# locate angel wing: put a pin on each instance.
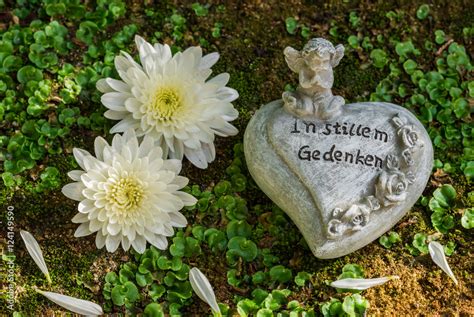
(336, 58)
(294, 59)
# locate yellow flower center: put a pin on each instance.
(166, 103)
(126, 194)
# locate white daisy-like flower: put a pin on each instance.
(168, 98)
(128, 193)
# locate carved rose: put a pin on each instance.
(353, 219)
(391, 187)
(336, 228)
(409, 135)
(357, 216)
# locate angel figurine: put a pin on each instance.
(314, 64)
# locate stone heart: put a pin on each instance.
(346, 180)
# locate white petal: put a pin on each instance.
(114, 228)
(73, 191)
(209, 60)
(112, 242)
(114, 100)
(99, 145)
(80, 218)
(196, 157)
(103, 86)
(82, 230)
(203, 289)
(209, 151)
(164, 52)
(139, 244)
(75, 305)
(178, 220)
(146, 146)
(124, 125)
(79, 155)
(118, 85)
(224, 129)
(144, 47)
(438, 257)
(125, 243)
(35, 252)
(172, 165)
(75, 175)
(220, 80)
(180, 181)
(227, 94)
(99, 240)
(115, 115)
(158, 241)
(362, 283)
(186, 198)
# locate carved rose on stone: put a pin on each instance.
(409, 136)
(407, 132)
(353, 219)
(391, 187)
(336, 228)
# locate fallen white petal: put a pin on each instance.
(361, 284)
(35, 252)
(203, 288)
(75, 305)
(438, 257)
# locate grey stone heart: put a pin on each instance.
(345, 181)
(344, 174)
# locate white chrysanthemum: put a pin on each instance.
(128, 193)
(168, 98)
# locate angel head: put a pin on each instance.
(315, 62)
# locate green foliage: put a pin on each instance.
(350, 271)
(423, 11)
(302, 277)
(440, 37)
(43, 97)
(238, 228)
(420, 244)
(442, 201)
(240, 247)
(184, 246)
(199, 9)
(449, 248)
(153, 310)
(291, 25)
(467, 219)
(379, 58)
(271, 304)
(216, 30)
(353, 41)
(354, 19)
(280, 274)
(151, 275)
(388, 240)
(354, 305)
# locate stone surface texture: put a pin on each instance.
(345, 174)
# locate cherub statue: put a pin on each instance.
(314, 64)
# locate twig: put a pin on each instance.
(442, 48)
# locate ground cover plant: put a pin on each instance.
(52, 53)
